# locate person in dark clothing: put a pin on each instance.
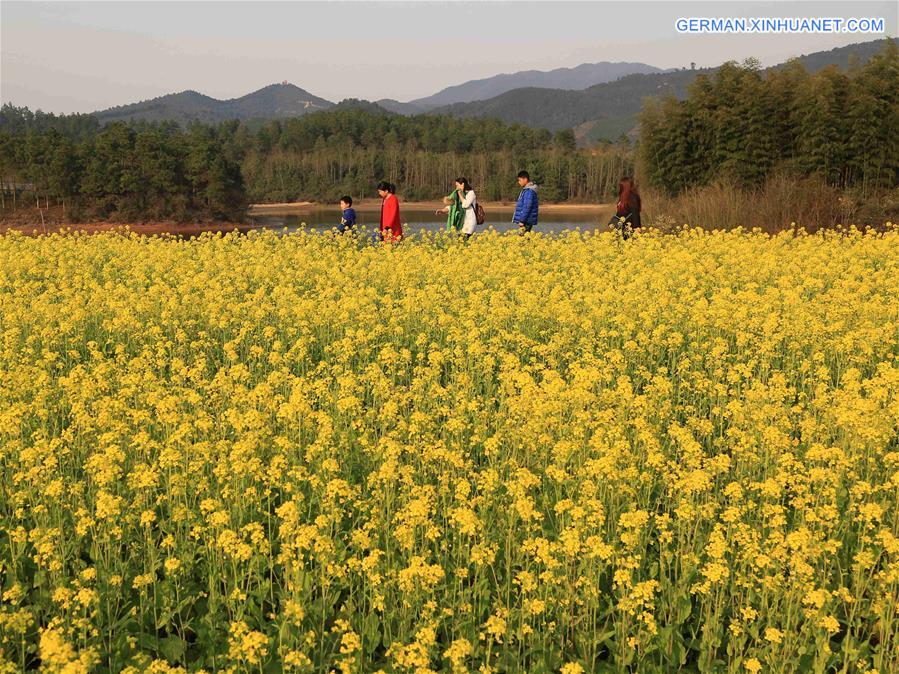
(348, 215)
(627, 210)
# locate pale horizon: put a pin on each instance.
(66, 57)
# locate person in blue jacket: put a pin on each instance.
(526, 208)
(348, 215)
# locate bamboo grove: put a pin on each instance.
(742, 124)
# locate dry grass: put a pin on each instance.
(783, 202)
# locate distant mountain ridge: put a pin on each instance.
(287, 100)
(557, 109)
(399, 107)
(610, 109)
(604, 110)
(579, 77)
(271, 102)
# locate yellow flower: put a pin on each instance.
(246, 645)
(496, 627)
(752, 665)
(830, 623)
(774, 635)
(457, 652)
(349, 449)
(60, 657)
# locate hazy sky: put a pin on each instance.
(85, 56)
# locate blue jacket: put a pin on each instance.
(526, 208)
(348, 221)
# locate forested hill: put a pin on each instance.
(275, 101)
(602, 111)
(579, 77)
(559, 109)
(610, 109)
(287, 100)
(842, 57)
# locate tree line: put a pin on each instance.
(147, 171)
(740, 125)
(128, 172)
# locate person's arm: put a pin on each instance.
(468, 199)
(530, 207)
(519, 211)
(392, 213)
(389, 213)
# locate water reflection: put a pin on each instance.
(415, 220)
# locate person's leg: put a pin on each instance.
(467, 230)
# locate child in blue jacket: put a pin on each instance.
(526, 208)
(348, 217)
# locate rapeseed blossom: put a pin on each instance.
(558, 454)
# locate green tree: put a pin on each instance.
(872, 119)
(822, 125)
(564, 140)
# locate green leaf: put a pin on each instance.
(172, 648)
(273, 666)
(604, 638)
(371, 632)
(684, 609)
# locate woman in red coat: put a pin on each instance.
(391, 228)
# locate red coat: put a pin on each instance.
(390, 218)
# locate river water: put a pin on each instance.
(415, 220)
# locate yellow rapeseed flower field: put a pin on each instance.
(525, 454)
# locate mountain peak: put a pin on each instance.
(285, 86)
(575, 78)
(606, 95)
(277, 100)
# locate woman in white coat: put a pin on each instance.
(467, 200)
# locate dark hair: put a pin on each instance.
(348, 200)
(626, 190)
(465, 186)
(524, 174)
(387, 187)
